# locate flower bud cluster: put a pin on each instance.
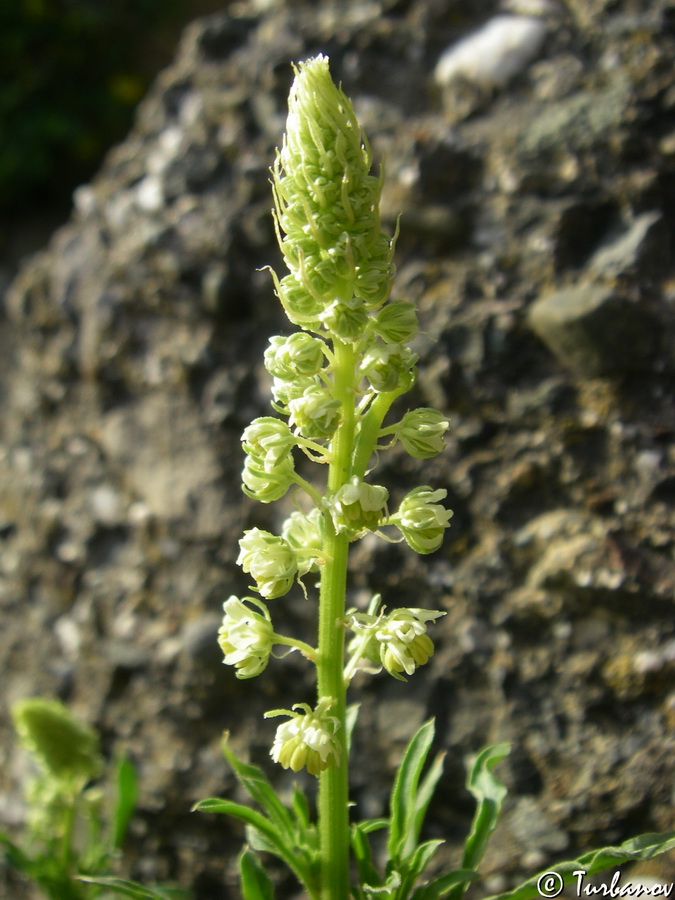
(308, 739)
(340, 261)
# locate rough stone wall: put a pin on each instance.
(536, 237)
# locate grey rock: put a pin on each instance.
(594, 331)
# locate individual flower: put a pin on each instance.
(269, 440)
(388, 366)
(267, 484)
(358, 507)
(403, 640)
(299, 354)
(421, 520)
(316, 413)
(304, 535)
(246, 636)
(308, 738)
(345, 319)
(422, 431)
(270, 560)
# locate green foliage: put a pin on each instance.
(73, 834)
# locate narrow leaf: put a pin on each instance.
(643, 847)
(127, 795)
(426, 793)
(402, 833)
(132, 888)
(258, 786)
(275, 842)
(255, 884)
(442, 885)
(416, 864)
(490, 794)
(368, 874)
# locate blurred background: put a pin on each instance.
(71, 74)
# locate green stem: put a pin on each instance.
(333, 782)
(370, 429)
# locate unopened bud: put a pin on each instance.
(299, 354)
(396, 323)
(388, 366)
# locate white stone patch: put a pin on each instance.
(494, 54)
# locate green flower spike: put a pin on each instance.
(327, 207)
(65, 747)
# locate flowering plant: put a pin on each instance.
(334, 383)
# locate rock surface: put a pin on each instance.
(131, 362)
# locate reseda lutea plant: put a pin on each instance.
(334, 381)
(333, 384)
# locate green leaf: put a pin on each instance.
(255, 885)
(490, 794)
(351, 715)
(426, 793)
(260, 789)
(15, 857)
(368, 874)
(127, 795)
(416, 864)
(645, 846)
(274, 838)
(442, 885)
(404, 825)
(133, 889)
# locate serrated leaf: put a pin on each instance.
(643, 847)
(403, 823)
(255, 884)
(442, 885)
(127, 795)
